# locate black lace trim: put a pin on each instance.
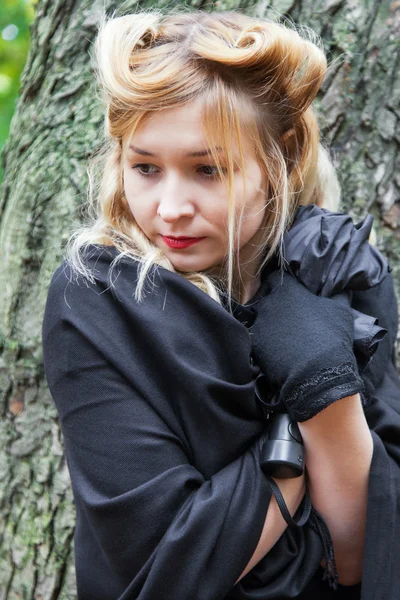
(316, 393)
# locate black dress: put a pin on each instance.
(163, 433)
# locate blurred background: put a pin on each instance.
(15, 19)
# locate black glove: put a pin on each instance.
(303, 343)
(328, 254)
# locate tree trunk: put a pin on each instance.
(54, 131)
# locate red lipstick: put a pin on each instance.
(180, 242)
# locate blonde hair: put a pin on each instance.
(252, 75)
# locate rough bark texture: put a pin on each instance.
(57, 124)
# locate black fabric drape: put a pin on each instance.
(163, 433)
(162, 437)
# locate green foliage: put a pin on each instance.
(15, 19)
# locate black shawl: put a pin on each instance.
(162, 434)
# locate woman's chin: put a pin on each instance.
(188, 264)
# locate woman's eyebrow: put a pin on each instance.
(197, 153)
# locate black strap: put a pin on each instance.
(316, 522)
(284, 509)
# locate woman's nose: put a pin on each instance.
(171, 209)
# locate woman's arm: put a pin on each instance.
(339, 447)
(293, 491)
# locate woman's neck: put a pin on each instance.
(248, 289)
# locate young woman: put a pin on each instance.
(170, 305)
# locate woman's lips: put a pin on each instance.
(180, 243)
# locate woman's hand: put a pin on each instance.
(303, 343)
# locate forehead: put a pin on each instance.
(179, 130)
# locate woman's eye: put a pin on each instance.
(215, 171)
(213, 175)
(139, 170)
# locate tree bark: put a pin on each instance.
(53, 133)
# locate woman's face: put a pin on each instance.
(171, 193)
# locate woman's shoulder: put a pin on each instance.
(108, 273)
(91, 270)
(170, 303)
(175, 321)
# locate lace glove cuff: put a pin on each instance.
(316, 393)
